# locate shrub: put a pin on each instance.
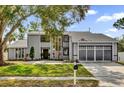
(32, 53)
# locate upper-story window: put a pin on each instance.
(44, 39)
(65, 38)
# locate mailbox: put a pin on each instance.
(75, 67)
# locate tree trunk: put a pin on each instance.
(1, 56)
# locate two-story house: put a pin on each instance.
(84, 46)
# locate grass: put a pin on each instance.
(42, 70)
(47, 83)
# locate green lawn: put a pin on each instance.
(43, 70)
(48, 83)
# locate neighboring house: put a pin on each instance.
(85, 46)
(121, 56)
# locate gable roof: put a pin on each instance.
(18, 44)
(89, 36)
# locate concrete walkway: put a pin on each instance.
(46, 78)
(109, 74)
(41, 62)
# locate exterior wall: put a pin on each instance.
(11, 54)
(34, 40)
(121, 56)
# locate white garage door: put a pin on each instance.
(95, 53)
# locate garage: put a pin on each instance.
(95, 52)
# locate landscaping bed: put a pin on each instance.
(48, 83)
(43, 70)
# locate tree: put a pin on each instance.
(21, 33)
(34, 26)
(13, 37)
(119, 24)
(121, 44)
(54, 20)
(32, 53)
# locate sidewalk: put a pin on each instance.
(42, 62)
(46, 78)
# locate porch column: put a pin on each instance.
(103, 52)
(78, 50)
(94, 53)
(70, 48)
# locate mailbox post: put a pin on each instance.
(75, 70)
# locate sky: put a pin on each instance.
(100, 19)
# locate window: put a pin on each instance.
(90, 47)
(82, 55)
(44, 39)
(16, 53)
(19, 53)
(82, 47)
(90, 55)
(107, 55)
(65, 51)
(99, 55)
(22, 52)
(65, 38)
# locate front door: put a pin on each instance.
(45, 54)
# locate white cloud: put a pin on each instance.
(118, 15)
(112, 30)
(114, 16)
(91, 12)
(108, 35)
(104, 18)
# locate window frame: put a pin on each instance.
(65, 40)
(43, 38)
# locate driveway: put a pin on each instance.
(109, 74)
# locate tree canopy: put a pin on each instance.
(121, 44)
(53, 19)
(119, 24)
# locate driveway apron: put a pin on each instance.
(109, 74)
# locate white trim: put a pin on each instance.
(97, 41)
(78, 50)
(86, 53)
(103, 53)
(95, 61)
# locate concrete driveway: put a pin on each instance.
(109, 74)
